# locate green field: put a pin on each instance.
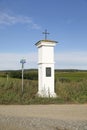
(72, 76)
(70, 86)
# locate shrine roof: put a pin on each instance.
(46, 41)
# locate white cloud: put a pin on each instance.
(35, 26)
(63, 60)
(71, 60)
(11, 61)
(8, 19)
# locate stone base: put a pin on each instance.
(52, 95)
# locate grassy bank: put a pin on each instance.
(71, 87)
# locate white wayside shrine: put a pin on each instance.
(46, 68)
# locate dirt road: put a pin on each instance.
(37, 116)
(62, 112)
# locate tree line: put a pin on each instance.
(28, 74)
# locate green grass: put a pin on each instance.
(11, 91)
(72, 76)
(73, 92)
(71, 87)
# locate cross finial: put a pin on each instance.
(46, 33)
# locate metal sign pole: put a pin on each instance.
(23, 61)
(22, 78)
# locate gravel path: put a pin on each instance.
(43, 117)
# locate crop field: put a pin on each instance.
(70, 86)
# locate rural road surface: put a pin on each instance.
(43, 117)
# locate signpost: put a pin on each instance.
(22, 61)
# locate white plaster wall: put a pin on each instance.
(46, 59)
(46, 84)
(46, 54)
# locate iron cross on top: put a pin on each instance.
(46, 33)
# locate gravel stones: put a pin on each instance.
(30, 123)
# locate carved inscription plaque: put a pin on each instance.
(48, 71)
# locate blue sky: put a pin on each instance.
(23, 21)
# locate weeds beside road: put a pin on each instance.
(70, 88)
